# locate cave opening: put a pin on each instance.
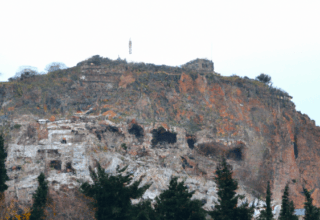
(69, 166)
(136, 130)
(55, 164)
(235, 154)
(160, 135)
(191, 140)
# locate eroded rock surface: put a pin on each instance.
(73, 118)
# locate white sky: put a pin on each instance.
(278, 38)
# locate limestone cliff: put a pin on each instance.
(174, 121)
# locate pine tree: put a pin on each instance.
(311, 212)
(287, 208)
(40, 199)
(3, 171)
(267, 214)
(144, 211)
(112, 194)
(227, 208)
(175, 203)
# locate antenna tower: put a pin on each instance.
(130, 46)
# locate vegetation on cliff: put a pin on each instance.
(112, 194)
(248, 118)
(3, 171)
(311, 212)
(40, 199)
(175, 204)
(267, 213)
(227, 208)
(287, 207)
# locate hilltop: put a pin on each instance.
(66, 120)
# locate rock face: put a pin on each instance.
(174, 121)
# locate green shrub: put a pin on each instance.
(124, 146)
(17, 126)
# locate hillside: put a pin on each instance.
(174, 121)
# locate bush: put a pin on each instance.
(54, 66)
(112, 194)
(264, 78)
(124, 146)
(17, 126)
(175, 203)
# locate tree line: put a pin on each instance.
(112, 196)
(29, 71)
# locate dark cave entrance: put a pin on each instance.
(160, 135)
(235, 154)
(191, 140)
(136, 130)
(55, 164)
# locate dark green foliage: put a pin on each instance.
(144, 211)
(267, 214)
(24, 72)
(311, 212)
(124, 146)
(96, 60)
(3, 172)
(175, 204)
(287, 208)
(112, 194)
(16, 126)
(264, 78)
(40, 199)
(227, 208)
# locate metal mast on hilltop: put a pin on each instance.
(130, 46)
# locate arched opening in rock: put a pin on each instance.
(161, 135)
(136, 130)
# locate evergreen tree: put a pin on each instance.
(40, 199)
(112, 194)
(264, 78)
(3, 171)
(144, 211)
(311, 212)
(175, 203)
(227, 208)
(287, 208)
(267, 214)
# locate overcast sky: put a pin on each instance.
(278, 38)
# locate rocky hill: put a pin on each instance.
(173, 120)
